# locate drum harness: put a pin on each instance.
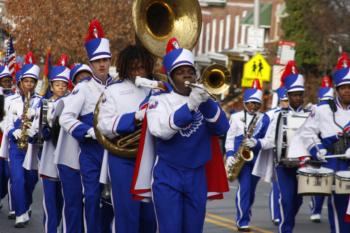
(281, 117)
(344, 140)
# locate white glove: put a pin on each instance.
(197, 96)
(91, 134)
(140, 114)
(144, 82)
(321, 155)
(32, 132)
(250, 142)
(230, 161)
(347, 153)
(17, 133)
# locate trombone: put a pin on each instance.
(215, 79)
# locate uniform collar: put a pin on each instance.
(337, 102)
(299, 109)
(99, 81)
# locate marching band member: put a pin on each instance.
(119, 114)
(67, 160)
(77, 120)
(326, 132)
(278, 139)
(239, 123)
(22, 181)
(4, 150)
(182, 123)
(52, 194)
(325, 93)
(5, 85)
(275, 193)
(79, 72)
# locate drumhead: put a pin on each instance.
(344, 175)
(311, 171)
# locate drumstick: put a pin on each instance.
(335, 156)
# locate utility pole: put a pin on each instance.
(256, 13)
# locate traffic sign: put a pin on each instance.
(256, 68)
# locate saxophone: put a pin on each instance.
(244, 154)
(22, 142)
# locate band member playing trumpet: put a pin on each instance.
(239, 123)
(77, 120)
(120, 111)
(182, 122)
(327, 132)
(21, 112)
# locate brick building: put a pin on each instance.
(227, 35)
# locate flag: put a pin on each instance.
(11, 57)
(44, 90)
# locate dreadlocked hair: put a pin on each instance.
(129, 55)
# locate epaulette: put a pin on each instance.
(323, 102)
(85, 79)
(114, 82)
(307, 110)
(167, 86)
(156, 92)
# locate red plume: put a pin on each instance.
(291, 68)
(172, 44)
(343, 61)
(29, 58)
(256, 84)
(95, 31)
(17, 66)
(63, 60)
(326, 81)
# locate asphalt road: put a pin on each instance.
(220, 215)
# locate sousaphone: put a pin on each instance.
(155, 22)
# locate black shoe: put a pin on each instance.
(316, 218)
(276, 222)
(11, 215)
(20, 225)
(244, 229)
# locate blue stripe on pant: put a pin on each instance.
(316, 204)
(52, 203)
(22, 182)
(73, 199)
(245, 194)
(274, 202)
(290, 201)
(130, 216)
(90, 160)
(180, 197)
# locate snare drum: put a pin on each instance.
(315, 181)
(342, 182)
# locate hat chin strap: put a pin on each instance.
(173, 84)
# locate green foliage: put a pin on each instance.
(319, 30)
(295, 29)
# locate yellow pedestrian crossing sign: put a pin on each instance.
(256, 68)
